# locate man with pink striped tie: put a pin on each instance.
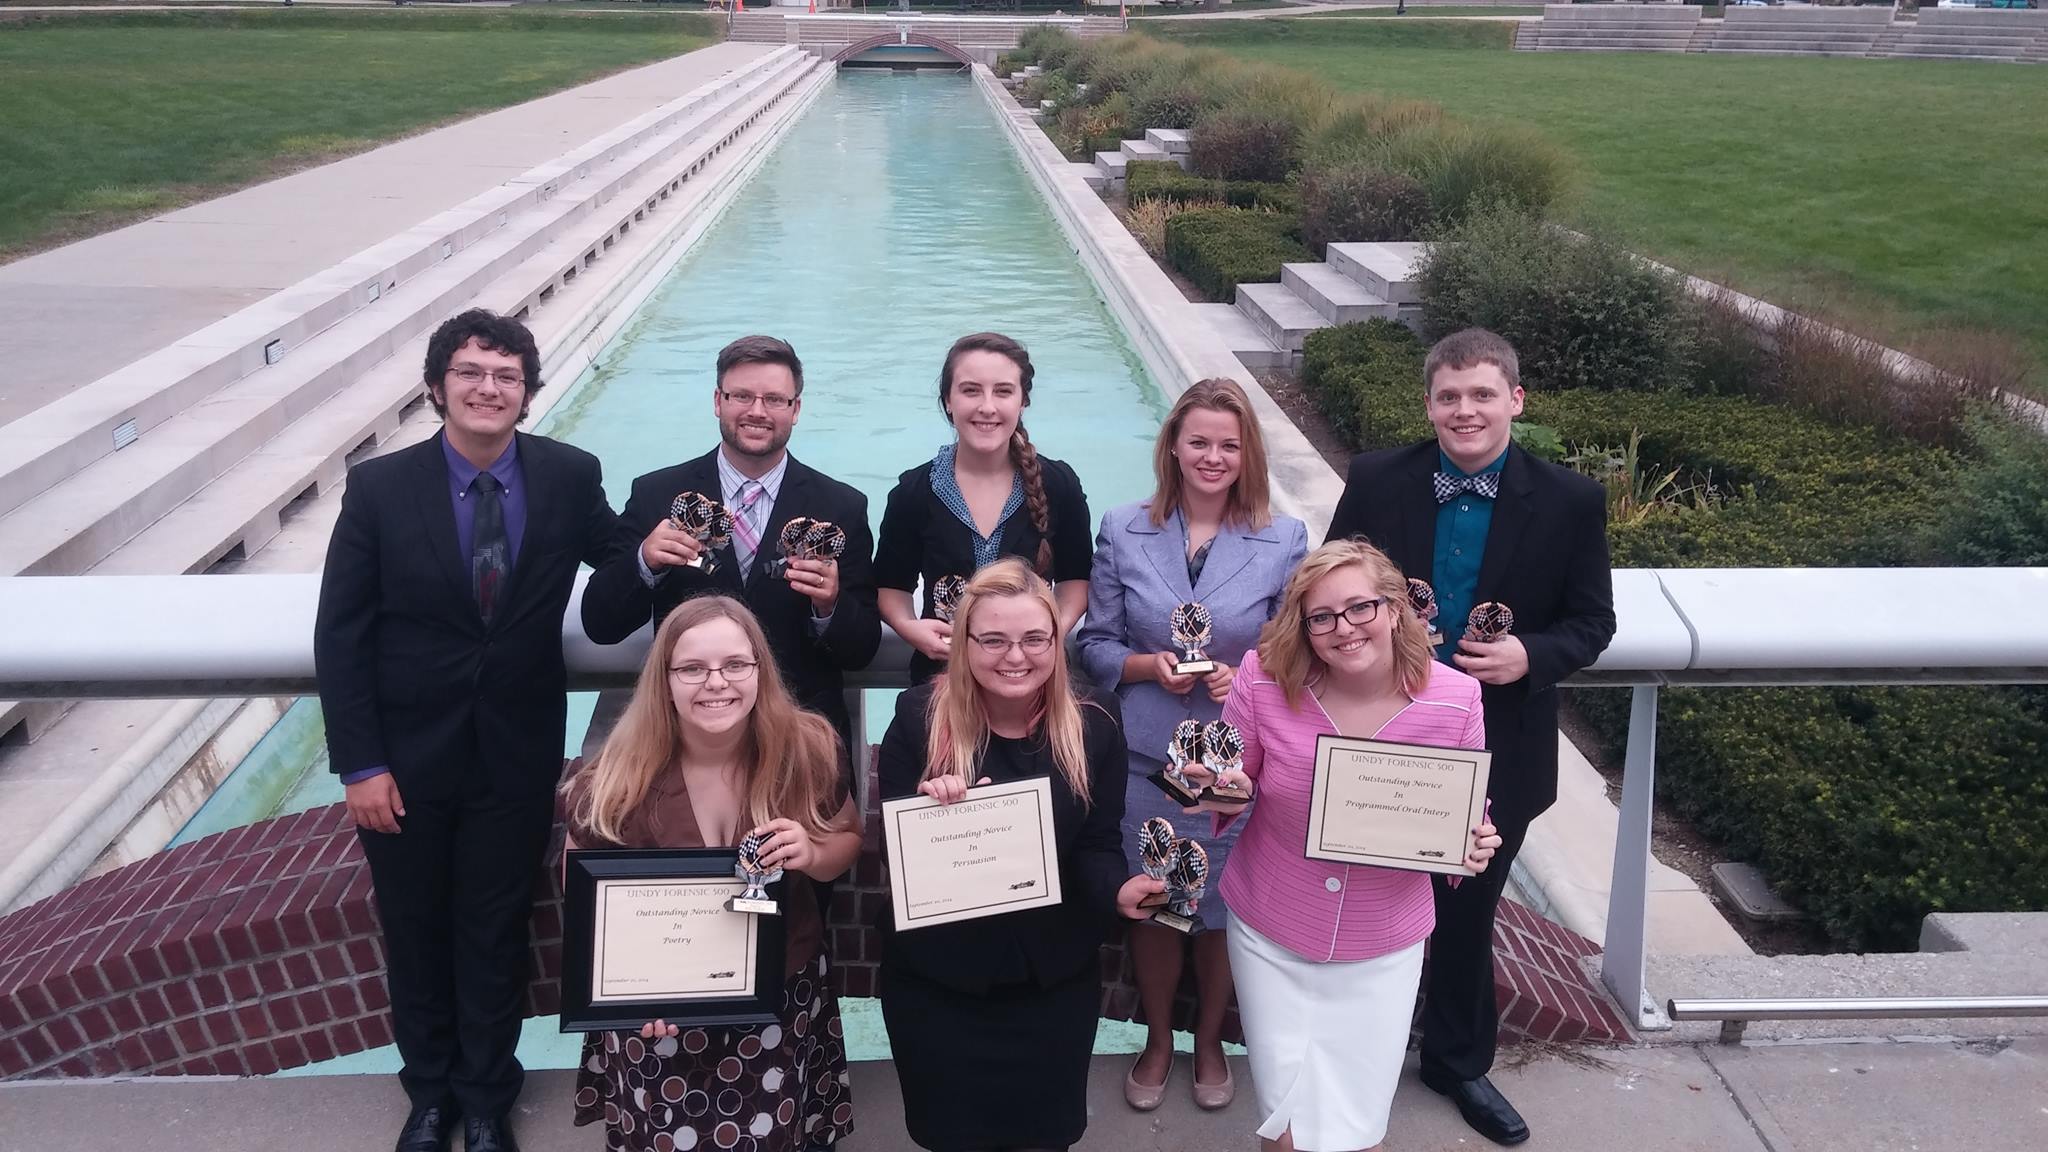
(820, 614)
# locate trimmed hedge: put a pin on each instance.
(1219, 248)
(1163, 180)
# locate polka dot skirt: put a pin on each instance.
(779, 1087)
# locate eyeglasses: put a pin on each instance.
(472, 375)
(1362, 613)
(731, 670)
(1033, 643)
(747, 399)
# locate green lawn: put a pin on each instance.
(1425, 11)
(1904, 195)
(106, 120)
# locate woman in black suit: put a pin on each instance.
(987, 495)
(992, 1021)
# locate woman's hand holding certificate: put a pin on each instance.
(958, 853)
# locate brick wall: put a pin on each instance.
(257, 949)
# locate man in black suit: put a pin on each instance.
(820, 617)
(438, 650)
(1484, 521)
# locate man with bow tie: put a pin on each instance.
(1485, 522)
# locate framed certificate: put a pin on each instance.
(646, 935)
(1396, 805)
(991, 853)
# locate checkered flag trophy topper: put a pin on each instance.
(705, 519)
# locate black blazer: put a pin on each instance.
(1044, 946)
(410, 677)
(1546, 558)
(617, 602)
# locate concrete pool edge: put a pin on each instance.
(1176, 347)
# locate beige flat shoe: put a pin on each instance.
(1211, 1097)
(1145, 1097)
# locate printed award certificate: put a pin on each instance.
(1396, 805)
(991, 853)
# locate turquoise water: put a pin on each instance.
(893, 218)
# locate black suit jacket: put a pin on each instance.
(617, 601)
(410, 676)
(1546, 558)
(1044, 946)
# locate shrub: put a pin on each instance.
(1148, 220)
(1169, 102)
(1996, 512)
(1081, 130)
(1367, 381)
(1581, 312)
(1154, 179)
(1359, 203)
(1219, 248)
(1048, 47)
(1843, 378)
(1244, 144)
(1728, 358)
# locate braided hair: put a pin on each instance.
(1023, 454)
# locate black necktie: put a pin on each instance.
(490, 553)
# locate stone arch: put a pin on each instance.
(897, 40)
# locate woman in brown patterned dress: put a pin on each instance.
(711, 748)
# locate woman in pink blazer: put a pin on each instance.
(1328, 956)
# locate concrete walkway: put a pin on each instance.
(1883, 1097)
(73, 314)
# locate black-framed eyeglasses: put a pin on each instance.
(1033, 643)
(731, 670)
(1360, 614)
(747, 399)
(472, 375)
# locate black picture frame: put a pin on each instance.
(583, 868)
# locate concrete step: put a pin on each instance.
(1282, 317)
(78, 522)
(1241, 336)
(1172, 141)
(1335, 297)
(1112, 165)
(1144, 150)
(1387, 270)
(1091, 173)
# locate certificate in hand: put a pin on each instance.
(647, 935)
(991, 853)
(1396, 805)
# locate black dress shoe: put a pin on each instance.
(488, 1136)
(1482, 1106)
(427, 1129)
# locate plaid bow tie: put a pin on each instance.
(1485, 484)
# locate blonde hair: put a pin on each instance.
(1284, 649)
(790, 760)
(1249, 504)
(958, 720)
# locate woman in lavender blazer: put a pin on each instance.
(1207, 536)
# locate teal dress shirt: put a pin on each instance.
(1461, 525)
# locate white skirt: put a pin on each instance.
(1326, 1041)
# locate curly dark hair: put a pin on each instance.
(493, 333)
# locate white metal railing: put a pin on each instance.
(1735, 1015)
(193, 636)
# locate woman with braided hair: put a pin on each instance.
(987, 495)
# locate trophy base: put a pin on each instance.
(1179, 923)
(1194, 667)
(1175, 792)
(1225, 797)
(761, 907)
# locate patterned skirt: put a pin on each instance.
(779, 1087)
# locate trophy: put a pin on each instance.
(1184, 749)
(1190, 627)
(1223, 751)
(946, 592)
(1181, 865)
(1422, 598)
(750, 869)
(1489, 622)
(806, 539)
(708, 521)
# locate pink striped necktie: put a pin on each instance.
(745, 530)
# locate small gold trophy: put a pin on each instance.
(1223, 751)
(946, 594)
(1184, 749)
(1182, 865)
(749, 868)
(705, 519)
(1422, 598)
(806, 539)
(1489, 622)
(1190, 626)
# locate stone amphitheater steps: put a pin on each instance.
(75, 522)
(1614, 28)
